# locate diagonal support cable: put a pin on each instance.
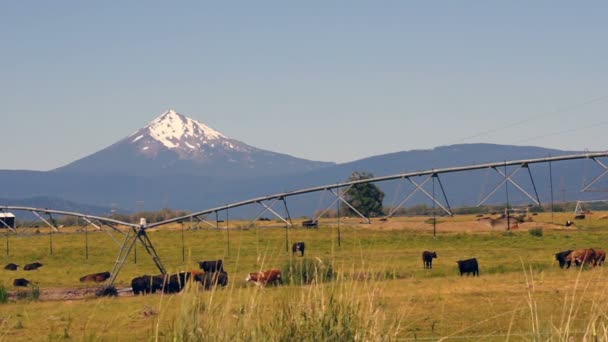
(507, 178)
(287, 211)
(201, 220)
(586, 188)
(341, 198)
(110, 234)
(411, 194)
(264, 208)
(533, 184)
(510, 180)
(45, 221)
(315, 219)
(268, 207)
(421, 189)
(444, 195)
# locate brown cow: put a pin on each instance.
(265, 277)
(582, 256)
(600, 257)
(96, 277)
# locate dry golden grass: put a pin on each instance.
(521, 293)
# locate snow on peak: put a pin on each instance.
(171, 128)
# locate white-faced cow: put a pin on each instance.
(298, 247)
(582, 256)
(265, 277)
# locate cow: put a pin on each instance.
(96, 277)
(582, 256)
(600, 257)
(11, 267)
(569, 223)
(210, 280)
(468, 266)
(32, 266)
(147, 284)
(211, 265)
(176, 282)
(265, 277)
(21, 282)
(427, 259)
(298, 247)
(561, 258)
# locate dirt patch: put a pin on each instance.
(446, 224)
(62, 294)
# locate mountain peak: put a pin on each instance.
(173, 143)
(174, 130)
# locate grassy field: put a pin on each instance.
(380, 290)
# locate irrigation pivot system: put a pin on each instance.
(137, 232)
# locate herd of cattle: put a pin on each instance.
(22, 282)
(581, 257)
(586, 256)
(212, 272)
(468, 266)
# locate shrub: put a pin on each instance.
(3, 295)
(305, 271)
(34, 294)
(536, 232)
(107, 291)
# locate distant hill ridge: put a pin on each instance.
(180, 163)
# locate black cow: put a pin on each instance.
(561, 258)
(21, 282)
(211, 265)
(176, 282)
(32, 266)
(209, 280)
(427, 259)
(96, 277)
(298, 247)
(11, 267)
(147, 284)
(468, 266)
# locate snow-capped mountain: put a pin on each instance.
(188, 138)
(175, 144)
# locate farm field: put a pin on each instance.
(380, 290)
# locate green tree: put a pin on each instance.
(366, 197)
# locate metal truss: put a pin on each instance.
(268, 207)
(508, 178)
(578, 210)
(340, 197)
(202, 220)
(138, 232)
(419, 187)
(587, 188)
(131, 238)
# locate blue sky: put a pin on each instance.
(333, 81)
